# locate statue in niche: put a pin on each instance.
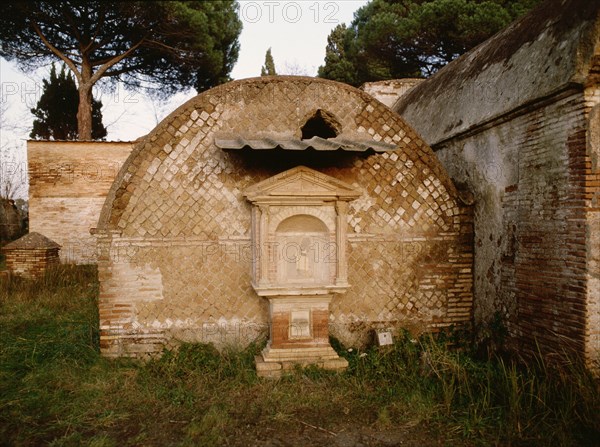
(300, 255)
(303, 265)
(300, 243)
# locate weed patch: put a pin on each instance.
(56, 390)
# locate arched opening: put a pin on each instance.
(321, 124)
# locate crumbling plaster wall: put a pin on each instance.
(529, 219)
(516, 122)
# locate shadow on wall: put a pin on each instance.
(276, 161)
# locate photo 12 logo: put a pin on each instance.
(27, 92)
(289, 12)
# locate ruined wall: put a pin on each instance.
(11, 221)
(592, 209)
(389, 91)
(68, 183)
(515, 122)
(175, 239)
(528, 177)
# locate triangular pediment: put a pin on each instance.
(301, 182)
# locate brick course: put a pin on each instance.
(31, 255)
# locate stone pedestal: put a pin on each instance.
(299, 335)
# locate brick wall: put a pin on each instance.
(68, 182)
(517, 124)
(175, 241)
(590, 166)
(528, 177)
(31, 263)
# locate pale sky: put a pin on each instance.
(296, 32)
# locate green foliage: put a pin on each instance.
(391, 39)
(338, 65)
(175, 44)
(55, 388)
(269, 68)
(56, 111)
(167, 45)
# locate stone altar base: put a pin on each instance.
(275, 362)
(299, 336)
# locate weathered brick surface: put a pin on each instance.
(175, 229)
(68, 183)
(519, 127)
(589, 168)
(31, 263)
(530, 225)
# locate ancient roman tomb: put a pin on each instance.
(281, 207)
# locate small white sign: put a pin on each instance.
(384, 338)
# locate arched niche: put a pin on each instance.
(299, 220)
(304, 251)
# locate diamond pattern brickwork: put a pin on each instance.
(179, 201)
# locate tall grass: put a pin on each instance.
(55, 388)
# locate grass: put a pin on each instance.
(56, 390)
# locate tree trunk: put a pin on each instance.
(84, 111)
